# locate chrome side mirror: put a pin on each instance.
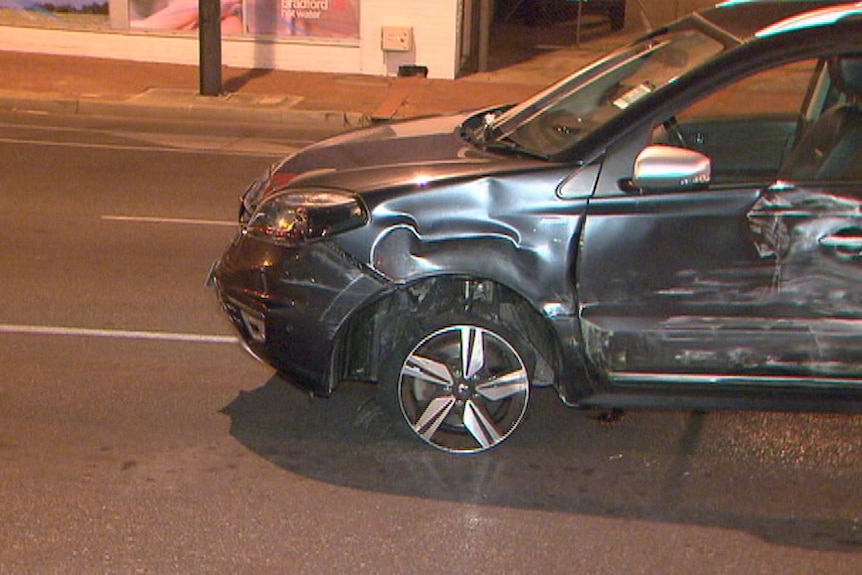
(668, 168)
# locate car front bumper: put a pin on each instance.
(288, 303)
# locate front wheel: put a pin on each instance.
(462, 388)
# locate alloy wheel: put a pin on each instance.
(463, 389)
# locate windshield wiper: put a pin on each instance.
(484, 130)
(508, 145)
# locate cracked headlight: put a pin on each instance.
(297, 216)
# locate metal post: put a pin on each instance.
(578, 29)
(486, 15)
(209, 37)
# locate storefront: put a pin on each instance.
(378, 37)
(375, 37)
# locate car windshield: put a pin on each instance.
(556, 118)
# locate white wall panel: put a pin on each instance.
(181, 49)
(434, 25)
(435, 39)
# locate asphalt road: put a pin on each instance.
(137, 437)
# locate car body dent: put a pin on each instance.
(814, 237)
(712, 308)
(681, 259)
(722, 287)
(513, 229)
(514, 232)
(433, 215)
(295, 295)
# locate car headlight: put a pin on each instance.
(251, 198)
(264, 186)
(297, 216)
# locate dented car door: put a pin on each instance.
(672, 287)
(814, 235)
(725, 286)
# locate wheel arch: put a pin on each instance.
(365, 338)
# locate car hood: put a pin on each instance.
(416, 151)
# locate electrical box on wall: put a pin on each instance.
(397, 39)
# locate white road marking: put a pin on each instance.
(154, 148)
(158, 220)
(114, 333)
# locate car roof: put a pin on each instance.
(745, 19)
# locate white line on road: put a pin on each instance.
(114, 333)
(156, 220)
(142, 148)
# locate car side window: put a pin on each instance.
(830, 149)
(749, 127)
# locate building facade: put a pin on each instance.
(375, 37)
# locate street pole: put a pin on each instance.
(209, 38)
(486, 15)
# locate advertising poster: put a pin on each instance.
(332, 19)
(181, 15)
(310, 18)
(59, 6)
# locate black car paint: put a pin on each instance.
(440, 207)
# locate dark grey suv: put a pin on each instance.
(677, 224)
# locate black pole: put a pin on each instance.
(209, 37)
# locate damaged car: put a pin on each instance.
(676, 225)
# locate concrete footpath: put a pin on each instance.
(76, 85)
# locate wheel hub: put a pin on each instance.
(463, 391)
(463, 388)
